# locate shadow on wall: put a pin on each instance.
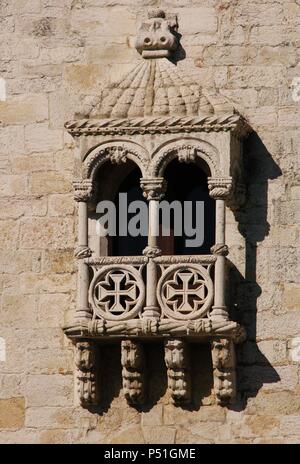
(110, 384)
(253, 367)
(254, 370)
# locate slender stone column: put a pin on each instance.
(219, 190)
(154, 190)
(83, 192)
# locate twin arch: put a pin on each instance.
(152, 165)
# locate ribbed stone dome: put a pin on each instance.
(156, 87)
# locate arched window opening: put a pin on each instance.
(128, 245)
(187, 184)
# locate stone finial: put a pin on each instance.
(156, 36)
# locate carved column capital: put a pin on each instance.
(220, 188)
(154, 188)
(83, 190)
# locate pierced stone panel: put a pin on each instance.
(185, 291)
(117, 292)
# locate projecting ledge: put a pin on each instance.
(200, 330)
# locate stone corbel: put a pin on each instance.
(86, 362)
(178, 370)
(133, 365)
(224, 370)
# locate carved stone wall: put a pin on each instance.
(57, 53)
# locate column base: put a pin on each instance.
(152, 312)
(219, 313)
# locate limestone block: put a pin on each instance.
(291, 296)
(228, 55)
(24, 109)
(250, 76)
(9, 234)
(295, 192)
(256, 14)
(131, 435)
(252, 426)
(12, 413)
(154, 416)
(282, 403)
(49, 390)
(268, 378)
(267, 35)
(275, 351)
(44, 417)
(59, 261)
(44, 338)
(52, 361)
(16, 262)
(12, 208)
(45, 183)
(103, 22)
(39, 138)
(52, 309)
(11, 385)
(46, 233)
(276, 55)
(85, 78)
(290, 425)
(61, 205)
(159, 435)
(27, 6)
(18, 311)
(35, 162)
(197, 20)
(11, 185)
(12, 135)
(46, 283)
(283, 325)
(288, 117)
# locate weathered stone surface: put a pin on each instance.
(159, 435)
(24, 109)
(49, 390)
(12, 413)
(59, 233)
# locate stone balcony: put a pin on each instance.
(174, 299)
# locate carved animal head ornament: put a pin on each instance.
(156, 37)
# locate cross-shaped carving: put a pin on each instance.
(116, 285)
(190, 286)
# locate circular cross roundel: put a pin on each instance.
(117, 293)
(185, 291)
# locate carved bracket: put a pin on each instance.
(133, 363)
(86, 362)
(224, 365)
(178, 370)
